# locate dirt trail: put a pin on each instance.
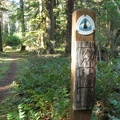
(9, 77)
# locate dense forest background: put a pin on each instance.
(44, 27)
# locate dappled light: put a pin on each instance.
(7, 59)
(5, 88)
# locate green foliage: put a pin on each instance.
(13, 116)
(4, 64)
(42, 89)
(108, 88)
(45, 88)
(11, 40)
(108, 78)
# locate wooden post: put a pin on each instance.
(83, 64)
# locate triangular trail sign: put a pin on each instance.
(85, 25)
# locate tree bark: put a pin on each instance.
(69, 10)
(41, 33)
(50, 19)
(1, 48)
(50, 26)
(22, 17)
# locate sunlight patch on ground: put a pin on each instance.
(8, 59)
(5, 88)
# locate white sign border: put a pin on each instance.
(91, 22)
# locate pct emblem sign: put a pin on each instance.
(85, 25)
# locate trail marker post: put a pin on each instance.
(83, 64)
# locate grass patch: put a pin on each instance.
(9, 106)
(5, 61)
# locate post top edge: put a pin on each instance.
(84, 9)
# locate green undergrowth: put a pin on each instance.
(10, 102)
(45, 88)
(42, 89)
(107, 90)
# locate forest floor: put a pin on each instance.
(10, 74)
(9, 77)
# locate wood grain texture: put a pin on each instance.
(84, 79)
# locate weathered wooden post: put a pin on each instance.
(83, 64)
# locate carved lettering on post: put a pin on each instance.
(85, 75)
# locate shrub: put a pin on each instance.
(108, 90)
(12, 41)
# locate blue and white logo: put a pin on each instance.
(85, 25)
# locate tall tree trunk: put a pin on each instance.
(50, 19)
(50, 26)
(56, 3)
(69, 10)
(41, 33)
(22, 17)
(1, 48)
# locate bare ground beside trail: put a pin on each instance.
(10, 75)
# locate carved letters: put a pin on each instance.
(84, 81)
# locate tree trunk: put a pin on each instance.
(50, 26)
(69, 10)
(56, 3)
(50, 19)
(23, 47)
(1, 48)
(22, 17)
(41, 33)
